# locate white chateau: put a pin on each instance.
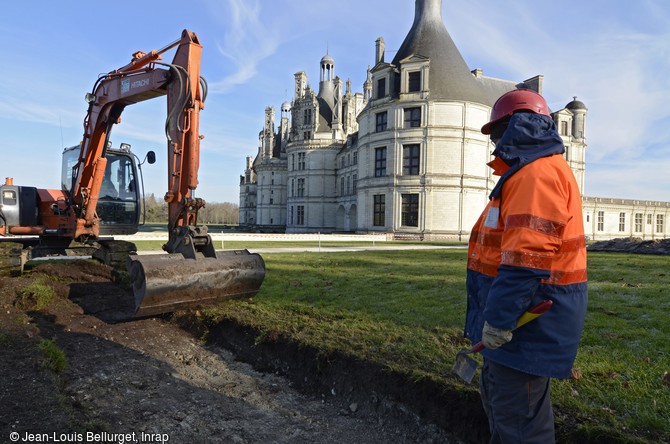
(405, 156)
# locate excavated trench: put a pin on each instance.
(356, 384)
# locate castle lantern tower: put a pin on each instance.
(579, 120)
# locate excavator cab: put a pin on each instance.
(121, 197)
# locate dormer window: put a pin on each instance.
(414, 81)
(381, 88)
(564, 128)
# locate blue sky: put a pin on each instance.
(613, 55)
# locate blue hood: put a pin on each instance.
(528, 137)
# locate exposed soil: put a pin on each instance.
(155, 376)
(633, 245)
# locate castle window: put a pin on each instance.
(301, 161)
(381, 88)
(379, 210)
(659, 223)
(307, 117)
(353, 180)
(301, 187)
(412, 117)
(410, 159)
(355, 157)
(414, 81)
(301, 215)
(564, 128)
(290, 216)
(601, 221)
(381, 120)
(380, 162)
(341, 186)
(638, 222)
(622, 221)
(410, 210)
(648, 219)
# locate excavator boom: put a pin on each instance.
(192, 273)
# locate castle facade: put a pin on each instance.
(406, 155)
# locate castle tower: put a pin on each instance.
(576, 149)
(426, 174)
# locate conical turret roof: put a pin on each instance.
(450, 78)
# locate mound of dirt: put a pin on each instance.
(632, 245)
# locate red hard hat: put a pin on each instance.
(516, 100)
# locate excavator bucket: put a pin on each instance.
(164, 283)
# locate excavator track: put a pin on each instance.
(114, 252)
(12, 258)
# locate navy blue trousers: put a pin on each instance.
(518, 405)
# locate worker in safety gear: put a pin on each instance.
(527, 246)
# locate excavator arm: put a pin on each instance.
(144, 78)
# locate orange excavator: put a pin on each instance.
(102, 193)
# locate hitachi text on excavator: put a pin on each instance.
(102, 192)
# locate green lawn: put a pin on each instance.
(405, 310)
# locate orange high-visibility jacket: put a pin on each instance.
(528, 245)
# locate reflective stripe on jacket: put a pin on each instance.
(528, 245)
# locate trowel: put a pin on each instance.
(465, 366)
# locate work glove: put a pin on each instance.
(495, 337)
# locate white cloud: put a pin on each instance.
(615, 78)
(246, 43)
(642, 180)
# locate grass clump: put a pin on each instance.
(35, 296)
(55, 359)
